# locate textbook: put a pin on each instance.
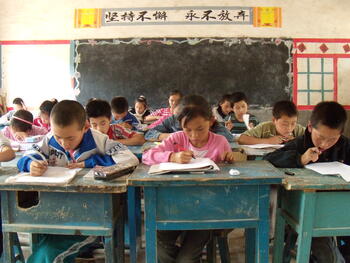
(263, 146)
(53, 175)
(196, 165)
(331, 168)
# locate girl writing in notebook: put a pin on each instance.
(194, 141)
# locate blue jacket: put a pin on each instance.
(95, 149)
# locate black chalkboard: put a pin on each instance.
(209, 67)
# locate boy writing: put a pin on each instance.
(71, 144)
(121, 115)
(281, 129)
(99, 114)
(322, 142)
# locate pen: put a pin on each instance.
(181, 148)
(33, 159)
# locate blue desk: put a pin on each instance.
(210, 201)
(84, 207)
(313, 205)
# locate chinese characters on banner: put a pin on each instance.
(217, 15)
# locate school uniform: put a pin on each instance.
(193, 241)
(239, 126)
(95, 149)
(141, 116)
(38, 122)
(171, 125)
(35, 130)
(116, 132)
(6, 118)
(267, 129)
(129, 118)
(219, 115)
(162, 112)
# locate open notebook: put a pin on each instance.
(331, 168)
(53, 175)
(196, 165)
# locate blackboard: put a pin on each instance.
(210, 67)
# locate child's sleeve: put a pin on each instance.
(160, 153)
(164, 127)
(39, 152)
(218, 128)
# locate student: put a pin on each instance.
(240, 108)
(171, 124)
(18, 104)
(99, 115)
(322, 142)
(140, 110)
(196, 140)
(44, 117)
(222, 111)
(121, 115)
(174, 98)
(70, 144)
(21, 127)
(281, 129)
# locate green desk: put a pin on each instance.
(210, 201)
(83, 207)
(313, 205)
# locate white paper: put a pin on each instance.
(53, 175)
(246, 120)
(331, 168)
(264, 145)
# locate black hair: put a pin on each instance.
(238, 96)
(46, 107)
(98, 108)
(330, 114)
(18, 101)
(19, 125)
(66, 112)
(54, 101)
(193, 106)
(142, 99)
(119, 105)
(226, 97)
(175, 92)
(284, 107)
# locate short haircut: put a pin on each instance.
(98, 108)
(193, 106)
(284, 108)
(330, 114)
(175, 92)
(19, 125)
(18, 101)
(119, 105)
(226, 97)
(238, 96)
(66, 112)
(47, 106)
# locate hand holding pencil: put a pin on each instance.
(38, 168)
(311, 155)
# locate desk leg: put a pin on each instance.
(150, 224)
(9, 242)
(250, 245)
(279, 237)
(307, 213)
(134, 220)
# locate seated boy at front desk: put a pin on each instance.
(322, 142)
(71, 143)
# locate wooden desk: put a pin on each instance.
(84, 207)
(313, 205)
(210, 201)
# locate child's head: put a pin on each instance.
(174, 98)
(45, 111)
(226, 104)
(68, 123)
(120, 107)
(21, 124)
(326, 124)
(196, 120)
(240, 104)
(140, 104)
(18, 104)
(99, 115)
(284, 116)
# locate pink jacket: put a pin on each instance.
(216, 146)
(34, 131)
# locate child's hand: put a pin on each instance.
(228, 157)
(251, 125)
(275, 140)
(76, 165)
(288, 138)
(181, 157)
(229, 125)
(38, 168)
(311, 155)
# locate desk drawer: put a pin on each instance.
(207, 203)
